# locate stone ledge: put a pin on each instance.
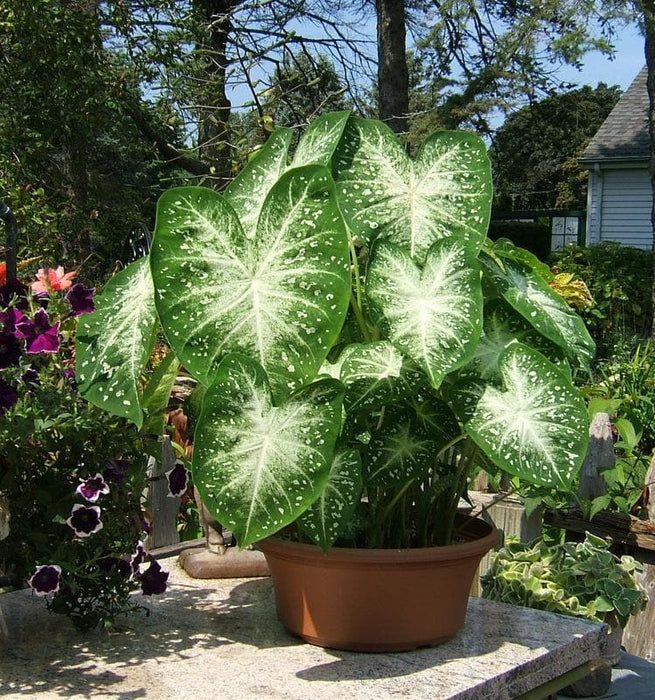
(220, 638)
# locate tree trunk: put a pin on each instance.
(393, 76)
(649, 25)
(213, 105)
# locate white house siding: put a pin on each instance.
(619, 207)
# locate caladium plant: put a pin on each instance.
(359, 342)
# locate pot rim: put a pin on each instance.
(483, 538)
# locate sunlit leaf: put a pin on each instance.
(259, 466)
(114, 342)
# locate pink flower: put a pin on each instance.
(56, 280)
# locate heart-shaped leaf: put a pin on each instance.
(536, 427)
(114, 342)
(527, 292)
(327, 517)
(248, 191)
(259, 466)
(375, 374)
(433, 315)
(399, 451)
(280, 297)
(445, 192)
(319, 140)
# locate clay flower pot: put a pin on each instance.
(376, 599)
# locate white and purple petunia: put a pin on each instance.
(85, 520)
(81, 299)
(178, 480)
(138, 558)
(91, 489)
(45, 579)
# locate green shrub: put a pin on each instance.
(620, 280)
(525, 234)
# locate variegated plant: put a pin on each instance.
(359, 344)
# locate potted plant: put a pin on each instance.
(361, 346)
(583, 579)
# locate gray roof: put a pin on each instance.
(624, 134)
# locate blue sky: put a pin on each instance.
(628, 61)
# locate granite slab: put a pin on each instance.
(220, 638)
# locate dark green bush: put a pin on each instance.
(531, 236)
(620, 280)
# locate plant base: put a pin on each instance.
(376, 599)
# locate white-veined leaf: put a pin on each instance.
(280, 297)
(247, 192)
(259, 466)
(327, 517)
(114, 342)
(544, 309)
(401, 449)
(319, 140)
(434, 315)
(536, 426)
(375, 374)
(444, 192)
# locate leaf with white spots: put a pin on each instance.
(445, 192)
(114, 342)
(280, 297)
(375, 374)
(247, 192)
(327, 517)
(401, 449)
(536, 426)
(319, 140)
(259, 466)
(527, 292)
(433, 315)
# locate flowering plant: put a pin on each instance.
(360, 344)
(71, 473)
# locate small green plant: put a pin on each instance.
(581, 579)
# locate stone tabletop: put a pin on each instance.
(220, 639)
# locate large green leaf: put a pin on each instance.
(433, 315)
(536, 426)
(114, 342)
(327, 517)
(157, 393)
(401, 449)
(320, 139)
(445, 192)
(247, 192)
(259, 466)
(527, 292)
(280, 297)
(375, 374)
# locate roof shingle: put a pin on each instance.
(624, 134)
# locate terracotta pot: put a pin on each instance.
(376, 599)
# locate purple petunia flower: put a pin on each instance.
(38, 334)
(10, 350)
(178, 480)
(116, 565)
(31, 376)
(85, 520)
(81, 299)
(8, 396)
(45, 579)
(93, 488)
(11, 318)
(153, 581)
(115, 470)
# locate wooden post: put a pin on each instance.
(600, 455)
(164, 507)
